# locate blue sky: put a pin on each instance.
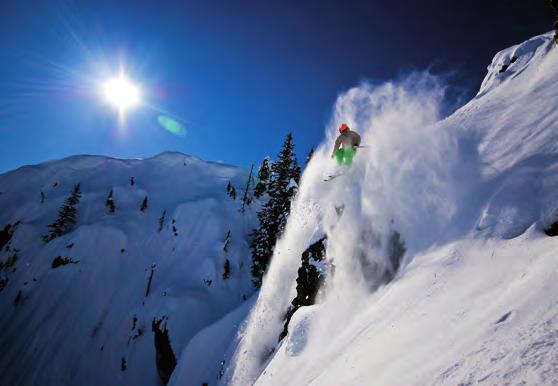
(238, 75)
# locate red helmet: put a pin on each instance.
(343, 128)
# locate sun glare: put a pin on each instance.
(121, 92)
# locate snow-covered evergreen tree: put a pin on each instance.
(273, 215)
(226, 269)
(66, 216)
(143, 206)
(110, 203)
(231, 191)
(246, 194)
(227, 241)
(264, 172)
(162, 220)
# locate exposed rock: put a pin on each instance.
(164, 358)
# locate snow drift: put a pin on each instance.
(475, 299)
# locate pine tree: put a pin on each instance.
(110, 202)
(246, 196)
(226, 269)
(285, 174)
(296, 176)
(227, 241)
(162, 220)
(227, 265)
(231, 191)
(264, 172)
(174, 230)
(66, 216)
(143, 206)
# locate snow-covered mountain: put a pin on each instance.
(476, 297)
(473, 299)
(83, 308)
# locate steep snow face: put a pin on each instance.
(509, 63)
(475, 298)
(89, 321)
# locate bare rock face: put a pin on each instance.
(308, 283)
(164, 359)
(552, 229)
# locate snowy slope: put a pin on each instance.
(476, 300)
(90, 323)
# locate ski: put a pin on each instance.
(331, 177)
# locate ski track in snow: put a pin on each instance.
(529, 357)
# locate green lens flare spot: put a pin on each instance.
(172, 126)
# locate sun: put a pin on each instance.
(121, 92)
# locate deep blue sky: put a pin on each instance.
(239, 74)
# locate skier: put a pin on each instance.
(345, 145)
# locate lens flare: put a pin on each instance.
(172, 126)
